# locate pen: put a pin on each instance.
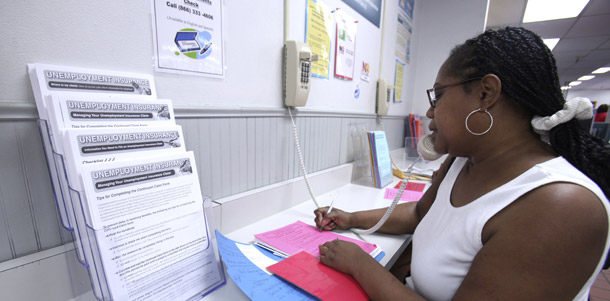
(329, 209)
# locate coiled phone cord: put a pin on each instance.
(296, 143)
(386, 215)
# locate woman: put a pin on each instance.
(519, 210)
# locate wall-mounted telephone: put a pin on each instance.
(425, 148)
(297, 73)
(384, 96)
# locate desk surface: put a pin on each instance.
(352, 197)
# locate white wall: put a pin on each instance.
(439, 26)
(601, 96)
(117, 35)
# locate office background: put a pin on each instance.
(237, 126)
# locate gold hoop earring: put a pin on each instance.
(487, 130)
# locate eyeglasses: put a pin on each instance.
(432, 92)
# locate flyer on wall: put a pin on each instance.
(318, 37)
(398, 79)
(404, 30)
(345, 49)
(407, 7)
(188, 37)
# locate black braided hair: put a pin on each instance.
(527, 69)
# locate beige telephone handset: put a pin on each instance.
(384, 97)
(425, 148)
(297, 73)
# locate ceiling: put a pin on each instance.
(585, 40)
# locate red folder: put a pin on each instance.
(306, 272)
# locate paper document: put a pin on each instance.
(255, 283)
(160, 186)
(326, 283)
(165, 260)
(300, 236)
(84, 146)
(88, 110)
(407, 195)
(47, 79)
(380, 159)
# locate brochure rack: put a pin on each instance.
(109, 266)
(73, 218)
(371, 157)
(362, 173)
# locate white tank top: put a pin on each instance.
(448, 238)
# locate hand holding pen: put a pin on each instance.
(327, 213)
(328, 218)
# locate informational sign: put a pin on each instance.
(369, 9)
(400, 67)
(404, 29)
(407, 7)
(318, 28)
(188, 37)
(365, 73)
(345, 49)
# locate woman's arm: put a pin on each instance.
(544, 246)
(403, 219)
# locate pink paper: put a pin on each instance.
(306, 272)
(407, 195)
(412, 186)
(300, 236)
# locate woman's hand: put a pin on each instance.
(342, 255)
(336, 219)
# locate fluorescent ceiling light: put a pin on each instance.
(551, 42)
(566, 88)
(586, 77)
(575, 83)
(601, 70)
(543, 10)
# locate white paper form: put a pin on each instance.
(50, 79)
(87, 110)
(47, 79)
(84, 146)
(165, 260)
(149, 228)
(91, 111)
(163, 187)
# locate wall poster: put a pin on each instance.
(317, 36)
(404, 30)
(188, 37)
(398, 79)
(345, 45)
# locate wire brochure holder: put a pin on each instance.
(124, 185)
